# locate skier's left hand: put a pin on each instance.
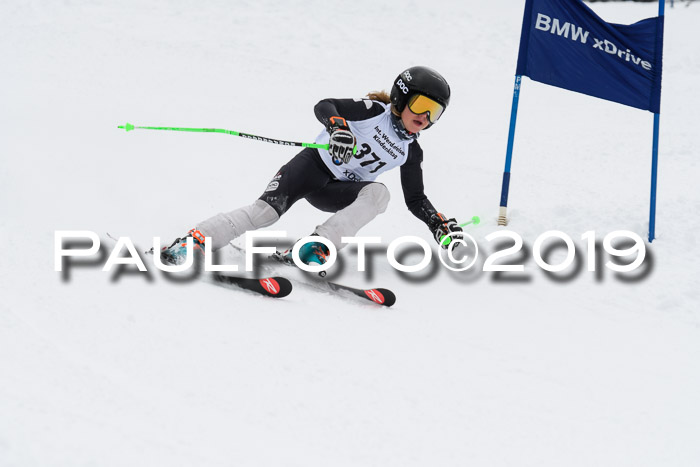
(342, 141)
(441, 226)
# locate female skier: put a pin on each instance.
(385, 129)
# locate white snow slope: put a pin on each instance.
(108, 369)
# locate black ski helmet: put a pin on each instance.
(419, 80)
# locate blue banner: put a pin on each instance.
(565, 44)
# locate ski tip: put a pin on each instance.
(380, 296)
(276, 287)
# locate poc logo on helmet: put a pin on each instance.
(407, 75)
(401, 85)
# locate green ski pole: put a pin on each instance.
(129, 127)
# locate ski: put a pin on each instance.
(380, 296)
(275, 287)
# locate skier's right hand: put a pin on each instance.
(342, 141)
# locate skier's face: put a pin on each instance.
(413, 122)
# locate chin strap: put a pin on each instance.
(401, 129)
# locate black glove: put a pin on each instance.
(342, 142)
(441, 226)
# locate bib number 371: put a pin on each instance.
(366, 149)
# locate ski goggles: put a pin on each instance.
(420, 104)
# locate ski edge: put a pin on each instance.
(379, 295)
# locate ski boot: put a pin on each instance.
(313, 252)
(176, 253)
(310, 253)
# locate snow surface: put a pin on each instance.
(115, 369)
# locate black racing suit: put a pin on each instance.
(310, 175)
